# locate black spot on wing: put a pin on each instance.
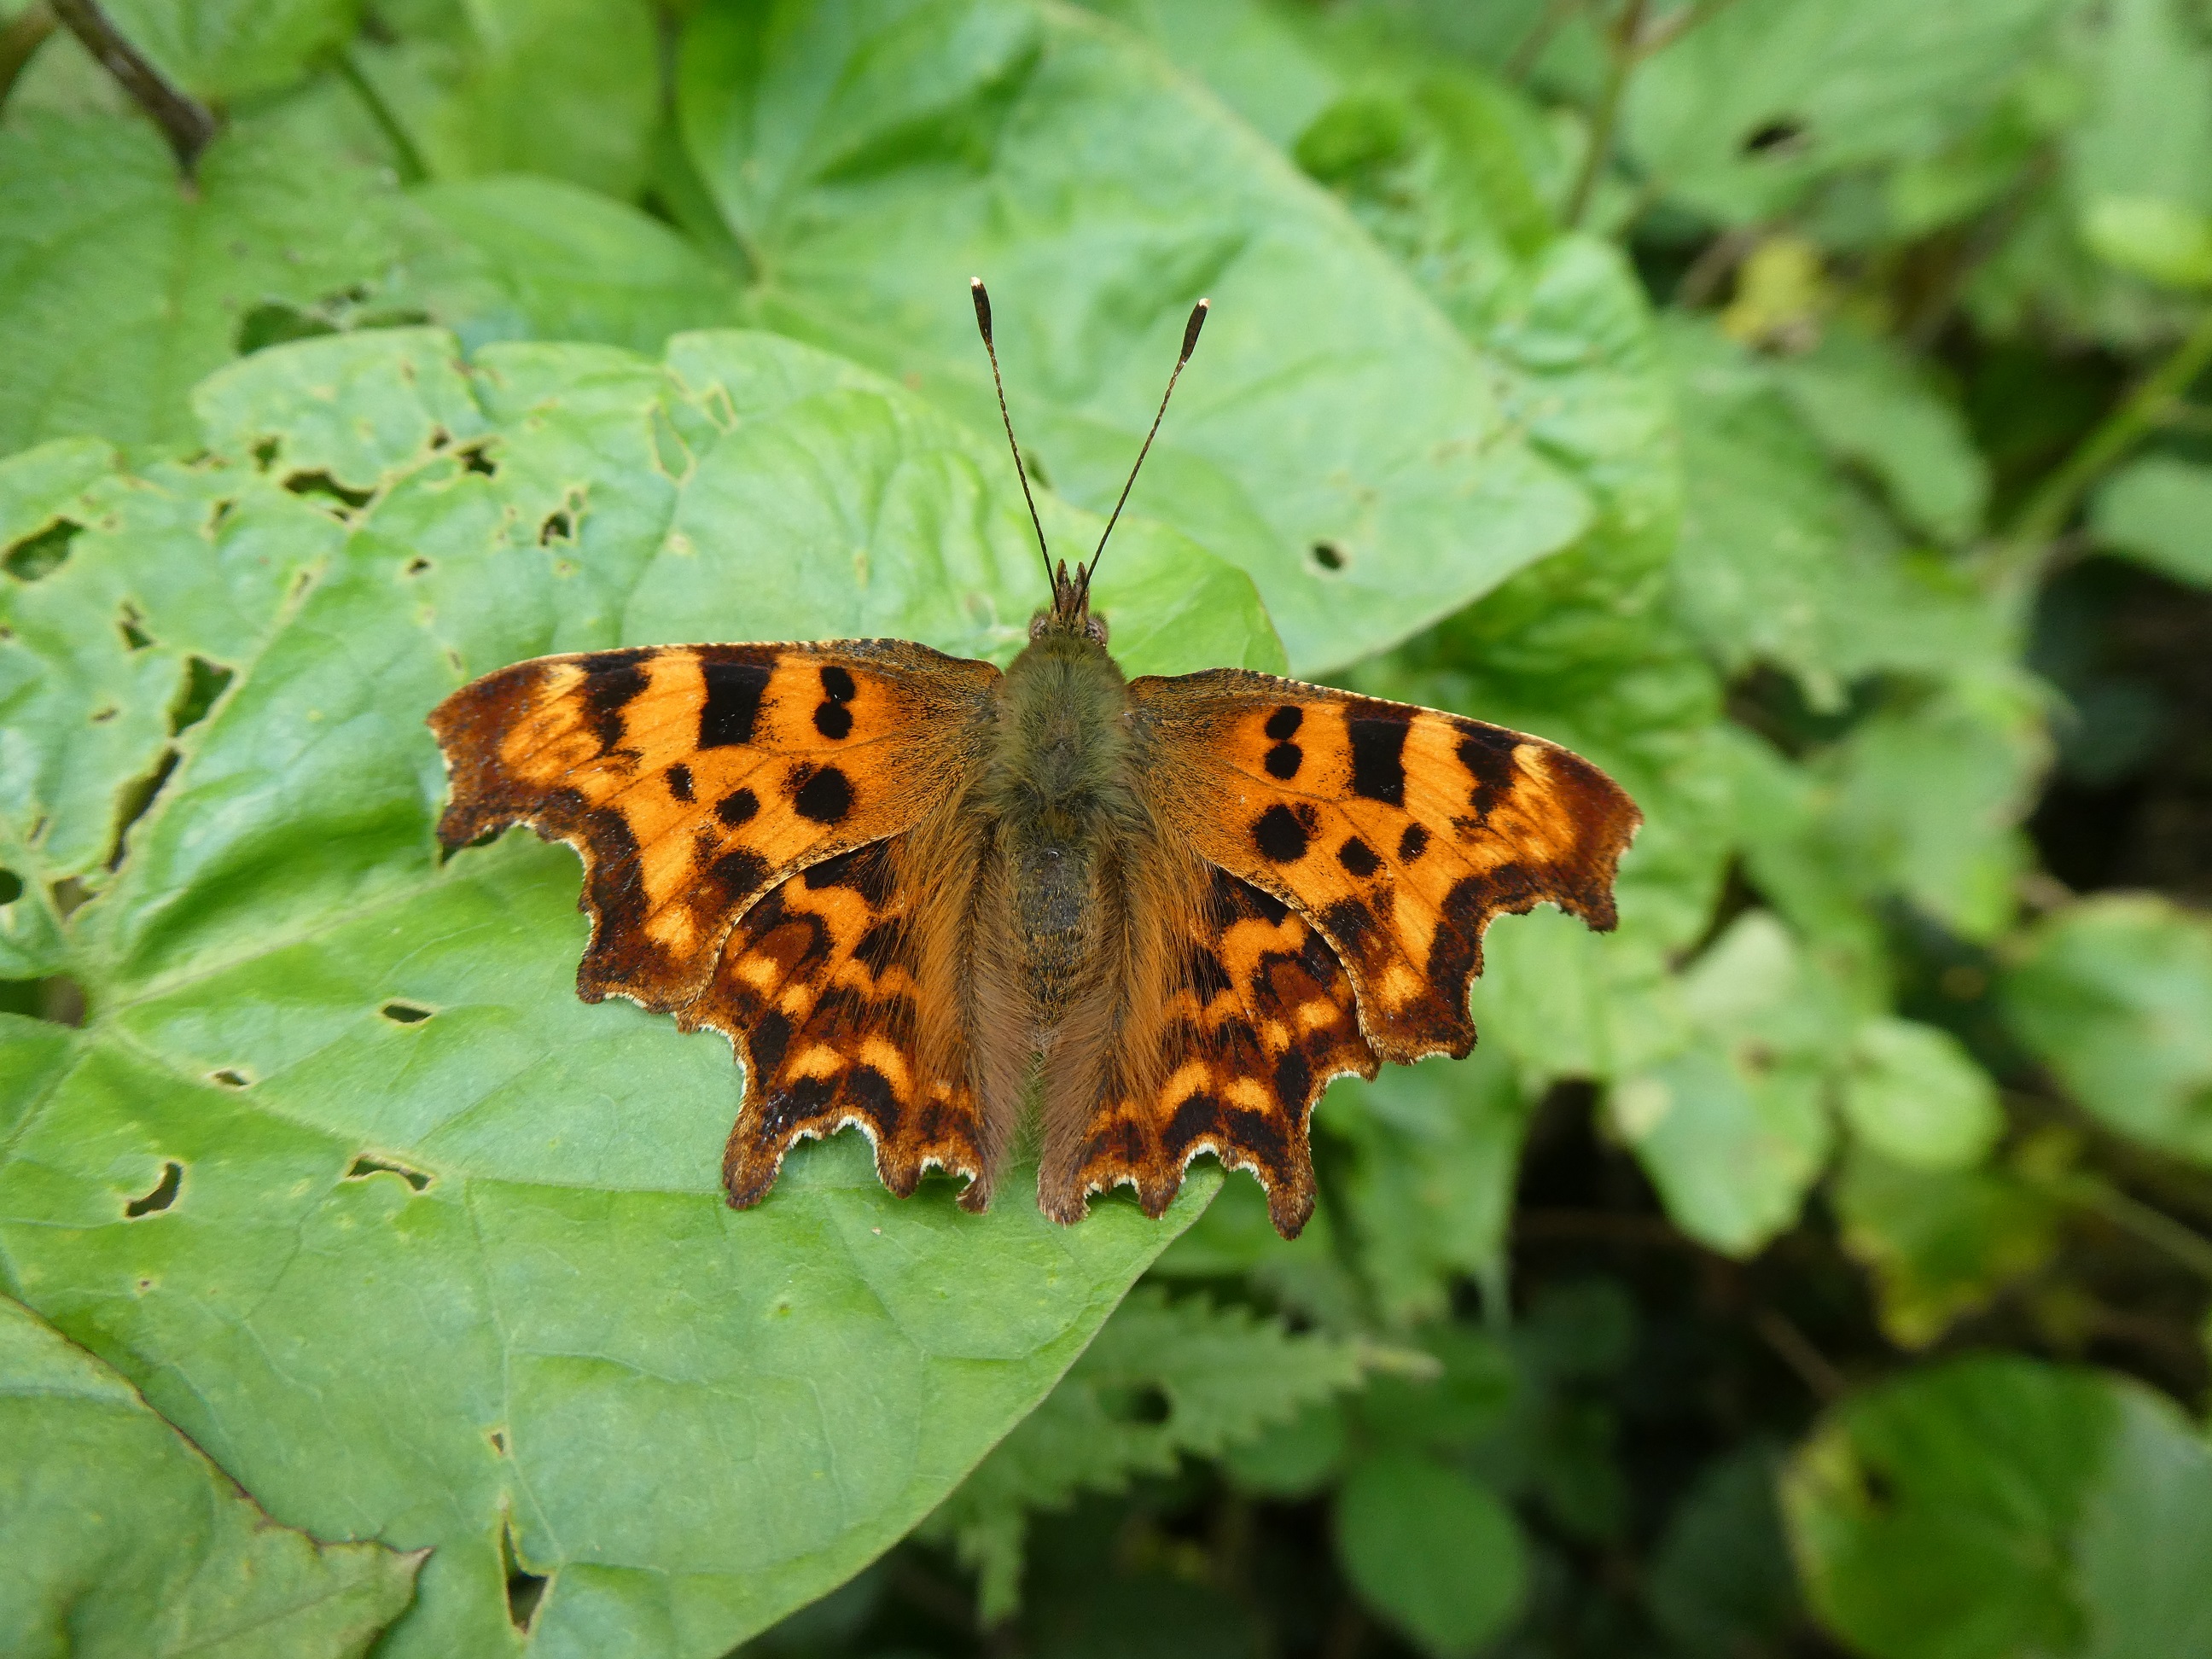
(1281, 833)
(611, 678)
(1378, 746)
(1357, 856)
(1413, 844)
(1486, 752)
(732, 704)
(1284, 760)
(1349, 922)
(769, 1037)
(836, 683)
(821, 794)
(1294, 1080)
(866, 869)
(833, 720)
(737, 807)
(679, 781)
(1283, 725)
(737, 873)
(1266, 906)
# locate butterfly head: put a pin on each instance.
(1070, 611)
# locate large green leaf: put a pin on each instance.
(338, 1172)
(1336, 436)
(1997, 1506)
(221, 49)
(120, 1538)
(120, 286)
(2115, 995)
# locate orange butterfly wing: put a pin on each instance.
(1397, 832)
(731, 804)
(1261, 1016)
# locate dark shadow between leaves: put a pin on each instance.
(163, 1195)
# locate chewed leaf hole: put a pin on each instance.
(557, 527)
(476, 460)
(525, 1589)
(231, 1077)
(1775, 138)
(406, 1013)
(265, 453)
(498, 1438)
(12, 887)
(135, 638)
(137, 799)
(39, 555)
(163, 1195)
(365, 1166)
(418, 565)
(321, 484)
(1328, 555)
(204, 682)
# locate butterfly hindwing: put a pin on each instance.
(1260, 1017)
(693, 779)
(1397, 831)
(819, 985)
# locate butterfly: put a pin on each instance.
(916, 892)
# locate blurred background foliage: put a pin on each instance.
(1820, 1263)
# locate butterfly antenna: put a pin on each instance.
(1189, 345)
(983, 324)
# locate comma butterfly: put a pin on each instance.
(911, 888)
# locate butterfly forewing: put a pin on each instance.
(731, 804)
(1397, 831)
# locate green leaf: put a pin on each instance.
(566, 88)
(1720, 1581)
(528, 257)
(1869, 405)
(2115, 995)
(1430, 1550)
(1742, 114)
(220, 49)
(2158, 511)
(1435, 1150)
(2149, 125)
(1996, 1506)
(2164, 242)
(1915, 1095)
(1162, 1379)
(120, 289)
(120, 1538)
(444, 1260)
(1734, 1128)
(1336, 437)
(1940, 1242)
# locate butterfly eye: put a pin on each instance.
(1095, 627)
(1038, 623)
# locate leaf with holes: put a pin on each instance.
(120, 1538)
(1336, 435)
(337, 1171)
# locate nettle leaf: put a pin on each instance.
(2115, 995)
(338, 1172)
(120, 1538)
(1999, 1505)
(1432, 1550)
(1162, 1379)
(1336, 437)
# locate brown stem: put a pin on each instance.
(184, 120)
(1621, 56)
(24, 33)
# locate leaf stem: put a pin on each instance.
(406, 156)
(24, 33)
(1621, 58)
(2039, 519)
(2153, 1226)
(186, 122)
